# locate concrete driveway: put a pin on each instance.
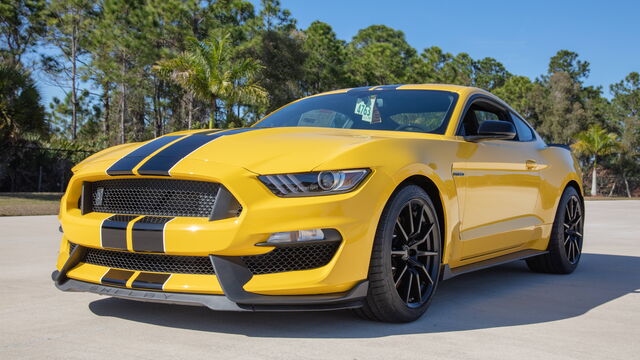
(505, 312)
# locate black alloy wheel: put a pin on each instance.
(405, 260)
(414, 253)
(573, 225)
(565, 242)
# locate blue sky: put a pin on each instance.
(523, 35)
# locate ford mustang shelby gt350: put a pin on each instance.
(362, 198)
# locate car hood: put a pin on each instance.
(267, 150)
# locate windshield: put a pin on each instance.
(425, 111)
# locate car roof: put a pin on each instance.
(463, 91)
(443, 87)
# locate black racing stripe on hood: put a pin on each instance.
(161, 163)
(125, 165)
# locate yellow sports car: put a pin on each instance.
(362, 198)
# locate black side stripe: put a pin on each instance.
(162, 162)
(113, 233)
(125, 165)
(148, 233)
(116, 277)
(151, 281)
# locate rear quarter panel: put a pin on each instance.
(561, 169)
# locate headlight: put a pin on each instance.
(314, 183)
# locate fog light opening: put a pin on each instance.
(296, 236)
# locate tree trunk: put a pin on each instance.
(107, 109)
(212, 115)
(190, 111)
(74, 99)
(229, 114)
(123, 104)
(613, 188)
(594, 180)
(140, 125)
(157, 131)
(626, 184)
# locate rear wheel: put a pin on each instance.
(565, 244)
(405, 261)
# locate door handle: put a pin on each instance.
(531, 164)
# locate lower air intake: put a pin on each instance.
(292, 258)
(173, 264)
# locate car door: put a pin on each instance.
(498, 183)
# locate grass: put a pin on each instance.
(26, 203)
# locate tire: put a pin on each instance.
(405, 264)
(565, 243)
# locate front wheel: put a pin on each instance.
(405, 260)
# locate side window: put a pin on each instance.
(483, 115)
(524, 132)
(476, 115)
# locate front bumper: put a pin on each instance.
(338, 284)
(232, 275)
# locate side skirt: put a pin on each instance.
(448, 272)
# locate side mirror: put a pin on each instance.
(493, 130)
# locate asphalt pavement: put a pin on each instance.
(500, 313)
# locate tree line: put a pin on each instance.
(134, 69)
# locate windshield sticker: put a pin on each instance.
(376, 119)
(364, 107)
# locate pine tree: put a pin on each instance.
(69, 24)
(324, 64)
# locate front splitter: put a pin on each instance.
(348, 300)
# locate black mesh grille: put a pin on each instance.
(292, 258)
(162, 197)
(175, 264)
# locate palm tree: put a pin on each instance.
(595, 142)
(208, 71)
